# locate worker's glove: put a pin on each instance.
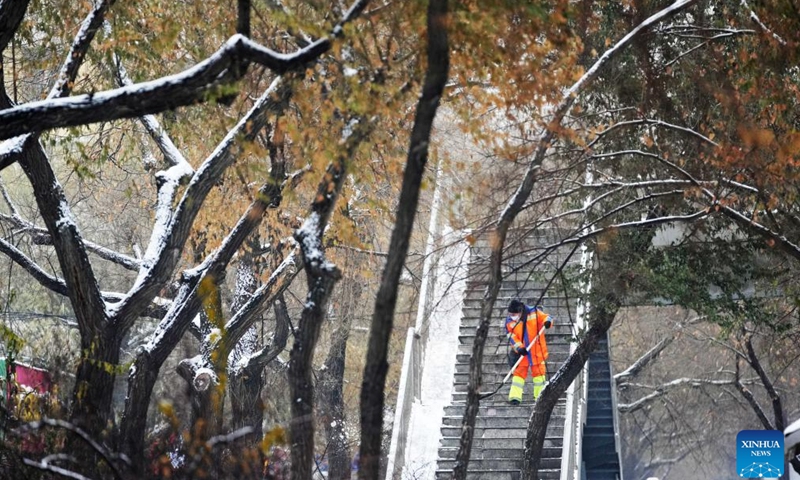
(548, 323)
(521, 350)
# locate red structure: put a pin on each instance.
(26, 376)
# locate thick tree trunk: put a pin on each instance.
(94, 383)
(374, 382)
(321, 276)
(300, 381)
(92, 400)
(141, 380)
(247, 408)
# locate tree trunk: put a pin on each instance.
(247, 408)
(331, 403)
(93, 395)
(300, 381)
(246, 383)
(374, 382)
(143, 373)
(141, 380)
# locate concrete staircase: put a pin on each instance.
(500, 428)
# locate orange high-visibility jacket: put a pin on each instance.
(523, 333)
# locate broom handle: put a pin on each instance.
(528, 349)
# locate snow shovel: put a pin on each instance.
(482, 396)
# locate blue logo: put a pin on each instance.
(759, 453)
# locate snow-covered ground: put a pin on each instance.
(439, 364)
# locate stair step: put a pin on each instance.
(497, 330)
(500, 365)
(604, 464)
(498, 474)
(450, 453)
(507, 432)
(487, 409)
(600, 421)
(550, 441)
(489, 384)
(500, 463)
(551, 338)
(504, 410)
(500, 398)
(465, 353)
(499, 422)
(598, 430)
(500, 428)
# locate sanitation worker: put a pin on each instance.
(522, 324)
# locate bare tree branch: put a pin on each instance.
(751, 400)
(758, 22)
(54, 469)
(642, 361)
(107, 456)
(41, 236)
(665, 388)
(777, 407)
(649, 121)
(172, 155)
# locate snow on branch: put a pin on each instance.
(758, 22)
(590, 204)
(66, 75)
(650, 121)
(170, 234)
(630, 225)
(172, 155)
(54, 469)
(662, 390)
(749, 223)
(642, 361)
(42, 237)
(78, 49)
(50, 282)
(524, 190)
(726, 34)
(186, 304)
(57, 285)
(278, 281)
(624, 42)
(166, 93)
(682, 171)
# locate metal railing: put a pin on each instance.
(408, 390)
